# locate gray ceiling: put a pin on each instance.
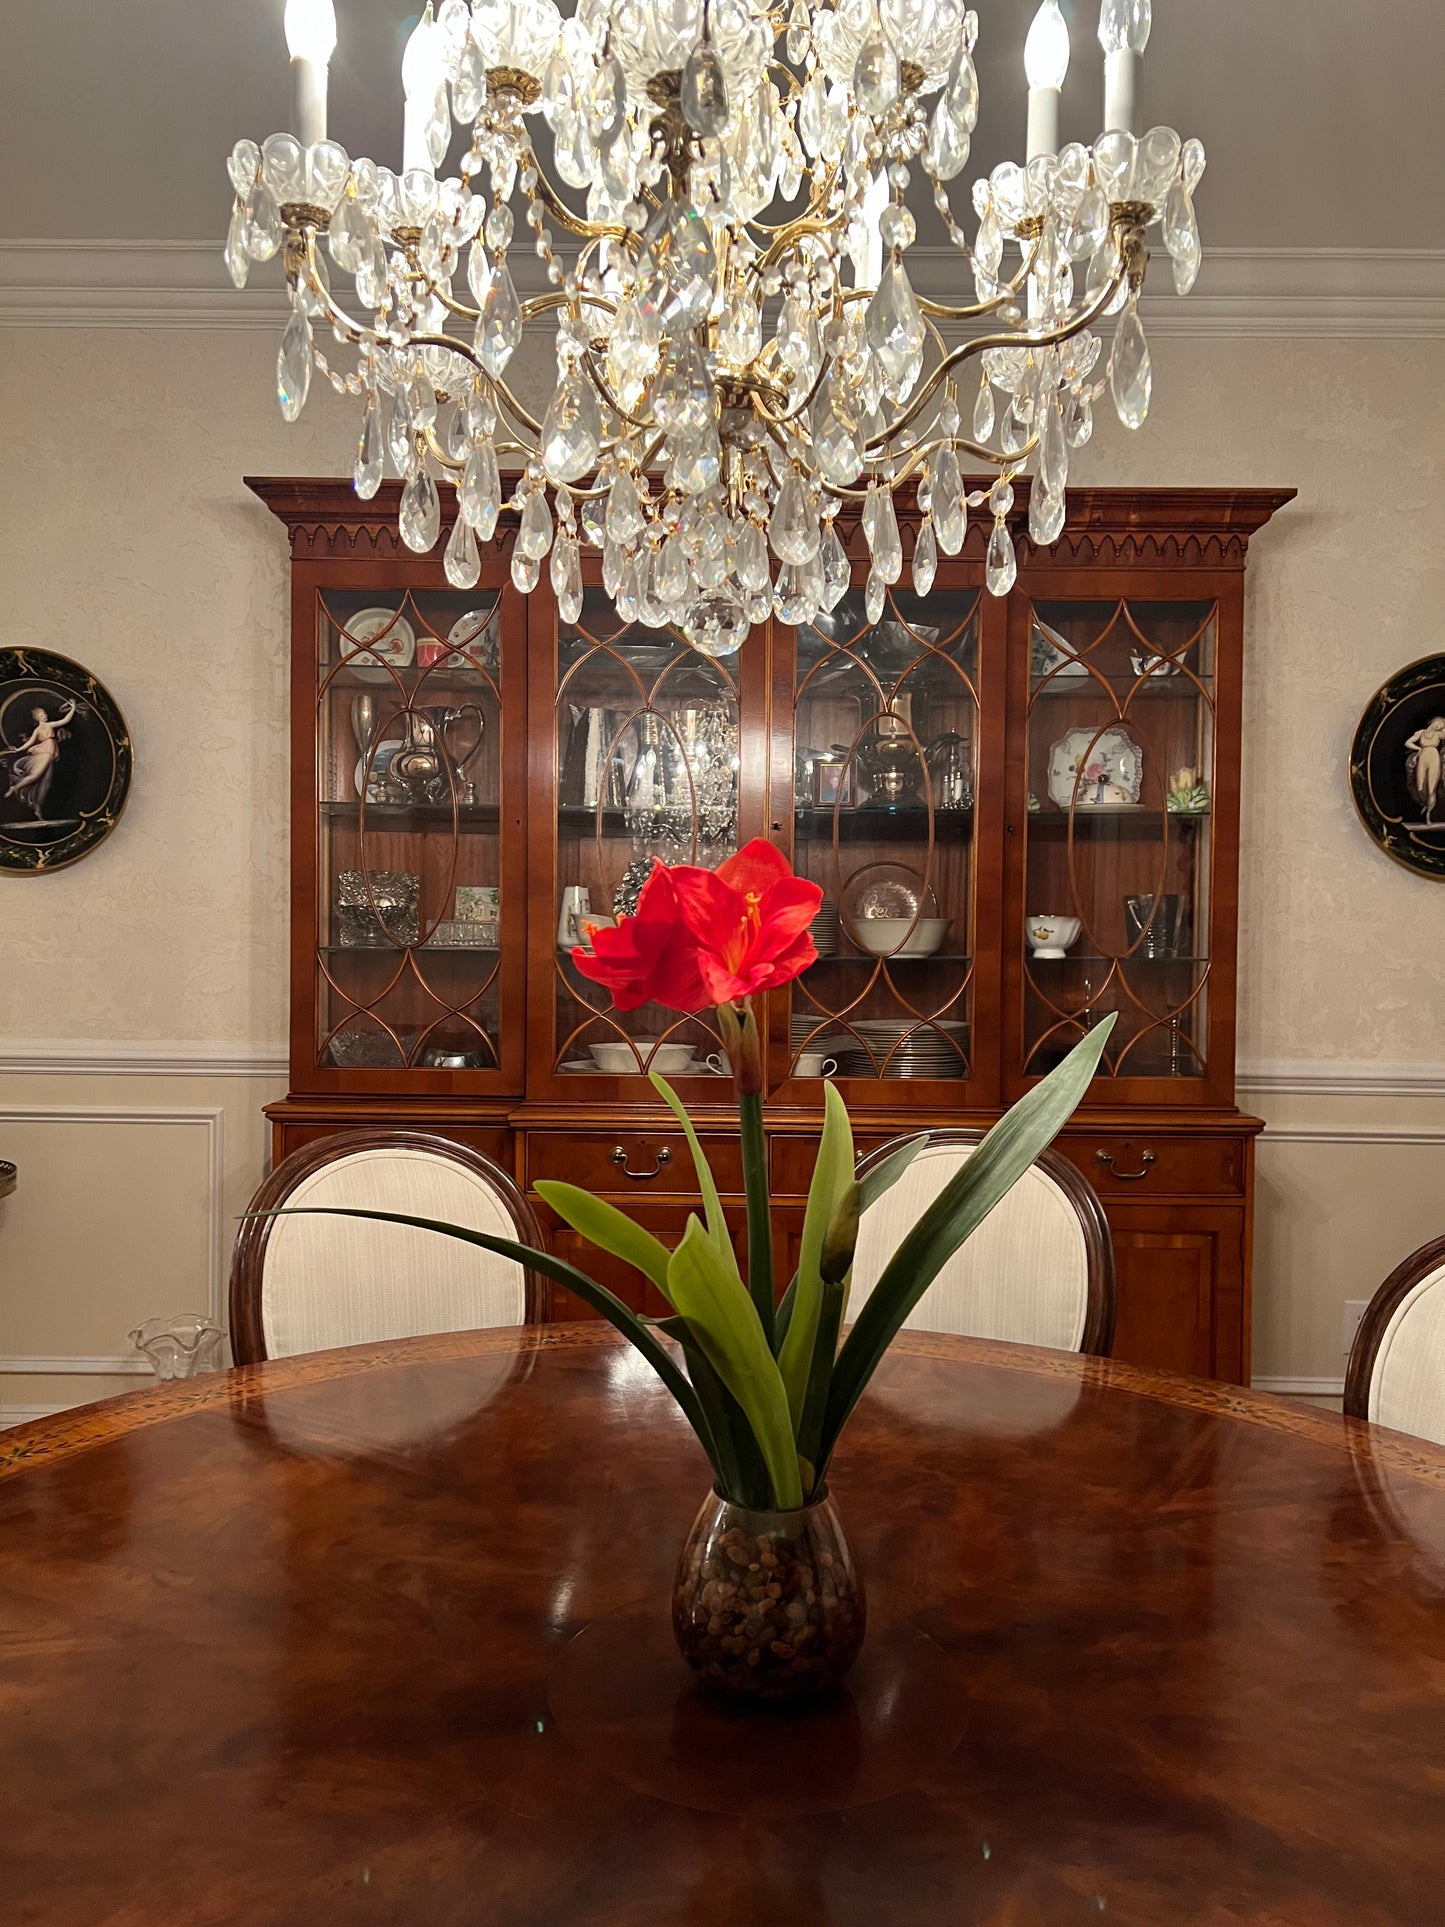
(1320, 116)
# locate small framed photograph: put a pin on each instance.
(833, 784)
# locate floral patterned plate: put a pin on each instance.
(1092, 769)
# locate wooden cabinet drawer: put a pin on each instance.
(1146, 1164)
(650, 1161)
(494, 1144)
(791, 1160)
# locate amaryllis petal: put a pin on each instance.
(649, 957)
(757, 866)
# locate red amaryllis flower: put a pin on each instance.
(750, 921)
(649, 958)
(708, 936)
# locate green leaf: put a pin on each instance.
(633, 1328)
(965, 1201)
(820, 1379)
(760, 1212)
(832, 1178)
(741, 1470)
(885, 1174)
(724, 1319)
(712, 1204)
(603, 1225)
(783, 1317)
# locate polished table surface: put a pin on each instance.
(299, 1644)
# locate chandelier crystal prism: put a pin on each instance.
(740, 349)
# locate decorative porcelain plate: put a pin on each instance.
(377, 638)
(1096, 769)
(1397, 766)
(475, 633)
(1051, 656)
(65, 761)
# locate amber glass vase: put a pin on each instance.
(768, 1605)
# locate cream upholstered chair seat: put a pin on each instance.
(1039, 1270)
(307, 1284)
(1397, 1365)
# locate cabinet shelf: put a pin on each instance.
(421, 949)
(865, 823)
(427, 816)
(870, 957)
(1178, 688)
(1153, 963)
(1054, 824)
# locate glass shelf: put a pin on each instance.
(892, 959)
(417, 949)
(471, 816)
(907, 823)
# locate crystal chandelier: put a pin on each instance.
(740, 351)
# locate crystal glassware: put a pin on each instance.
(180, 1347)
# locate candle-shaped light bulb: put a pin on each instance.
(1124, 26)
(1123, 34)
(310, 27)
(421, 75)
(1046, 64)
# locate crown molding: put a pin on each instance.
(1246, 294)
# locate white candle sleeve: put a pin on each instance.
(1121, 80)
(309, 82)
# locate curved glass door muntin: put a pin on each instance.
(647, 741)
(1112, 683)
(402, 980)
(886, 733)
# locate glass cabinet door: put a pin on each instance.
(885, 738)
(1120, 774)
(409, 757)
(647, 762)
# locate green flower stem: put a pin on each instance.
(760, 1214)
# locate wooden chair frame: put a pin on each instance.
(248, 1338)
(1102, 1306)
(1365, 1352)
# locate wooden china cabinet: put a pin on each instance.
(1024, 814)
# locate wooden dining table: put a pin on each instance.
(379, 1636)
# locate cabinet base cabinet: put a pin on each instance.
(1183, 1294)
(1179, 1208)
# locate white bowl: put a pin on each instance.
(1051, 936)
(621, 1061)
(901, 936)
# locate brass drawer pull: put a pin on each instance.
(1106, 1158)
(619, 1157)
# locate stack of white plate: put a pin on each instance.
(917, 1050)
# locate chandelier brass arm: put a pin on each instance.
(980, 344)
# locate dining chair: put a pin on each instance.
(1396, 1375)
(308, 1284)
(1039, 1270)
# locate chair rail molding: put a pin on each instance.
(207, 1118)
(1327, 1077)
(83, 1057)
(1243, 293)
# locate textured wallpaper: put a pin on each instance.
(131, 544)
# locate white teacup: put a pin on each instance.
(813, 1063)
(1051, 936)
